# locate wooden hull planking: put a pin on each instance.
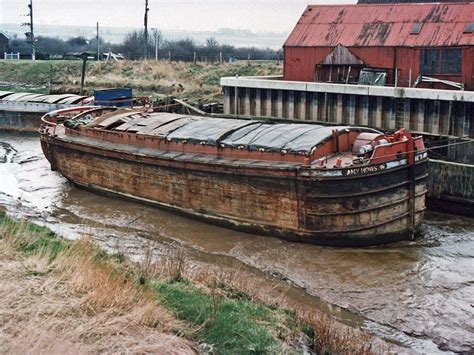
(287, 202)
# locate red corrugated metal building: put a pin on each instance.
(335, 42)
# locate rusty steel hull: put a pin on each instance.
(280, 201)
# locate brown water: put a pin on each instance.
(418, 294)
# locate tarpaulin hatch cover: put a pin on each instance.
(243, 134)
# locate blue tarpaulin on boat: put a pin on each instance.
(114, 97)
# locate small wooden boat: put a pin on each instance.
(340, 185)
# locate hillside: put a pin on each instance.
(186, 80)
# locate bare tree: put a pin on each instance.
(211, 42)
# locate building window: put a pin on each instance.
(416, 29)
(469, 27)
(440, 61)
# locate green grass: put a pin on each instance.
(30, 238)
(29, 72)
(230, 326)
(30, 90)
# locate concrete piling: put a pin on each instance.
(302, 107)
(291, 104)
(228, 109)
(351, 110)
(378, 113)
(390, 121)
(406, 113)
(460, 130)
(268, 103)
(446, 112)
(420, 116)
(258, 102)
(339, 109)
(364, 117)
(279, 104)
(314, 108)
(433, 118)
(247, 103)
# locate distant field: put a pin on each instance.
(186, 80)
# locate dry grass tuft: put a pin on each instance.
(154, 267)
(329, 337)
(106, 287)
(81, 302)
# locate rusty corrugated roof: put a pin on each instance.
(387, 25)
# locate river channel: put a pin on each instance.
(418, 294)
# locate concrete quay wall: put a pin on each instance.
(438, 112)
(451, 187)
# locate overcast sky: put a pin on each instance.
(199, 15)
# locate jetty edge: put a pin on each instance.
(339, 185)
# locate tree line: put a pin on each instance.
(133, 47)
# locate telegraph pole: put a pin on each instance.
(98, 43)
(32, 34)
(155, 34)
(146, 29)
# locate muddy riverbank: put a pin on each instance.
(69, 296)
(417, 294)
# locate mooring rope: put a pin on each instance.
(449, 145)
(445, 140)
(426, 149)
(442, 141)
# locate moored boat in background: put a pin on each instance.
(340, 185)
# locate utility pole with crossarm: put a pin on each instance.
(33, 50)
(146, 29)
(30, 36)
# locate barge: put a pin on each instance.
(328, 185)
(22, 112)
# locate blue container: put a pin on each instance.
(114, 97)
